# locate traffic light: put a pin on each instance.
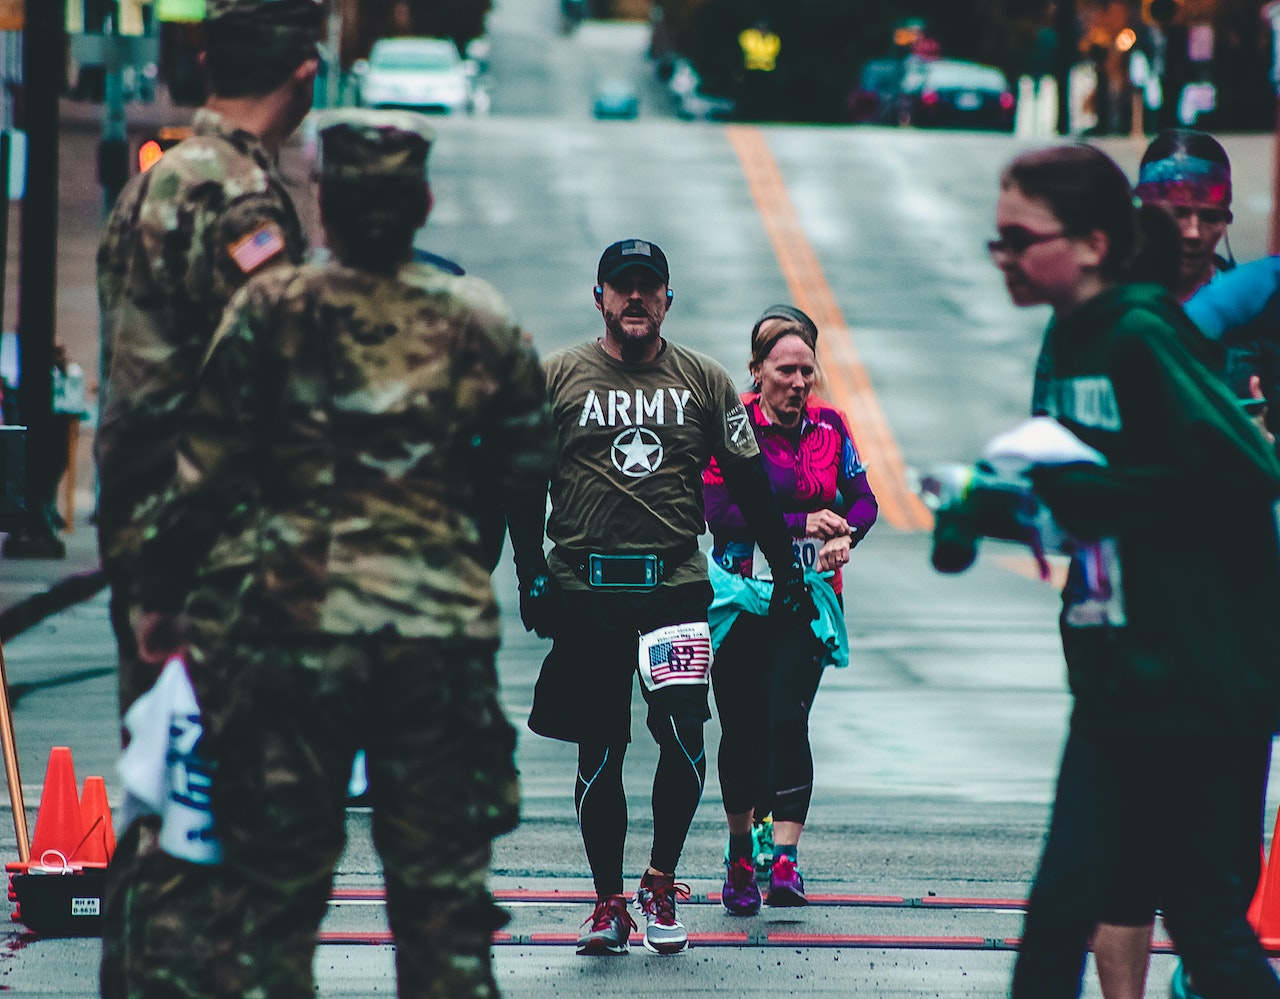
(150, 151)
(907, 33)
(760, 48)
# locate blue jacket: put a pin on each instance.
(1238, 297)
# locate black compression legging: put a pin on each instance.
(766, 767)
(602, 803)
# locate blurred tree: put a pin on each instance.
(825, 42)
(365, 21)
(1241, 71)
(461, 20)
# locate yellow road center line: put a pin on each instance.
(850, 387)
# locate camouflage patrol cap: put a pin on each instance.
(361, 146)
(278, 27)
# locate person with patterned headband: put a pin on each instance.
(1188, 174)
(346, 417)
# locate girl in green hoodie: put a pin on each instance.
(1168, 624)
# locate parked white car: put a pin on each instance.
(422, 74)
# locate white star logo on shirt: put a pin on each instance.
(636, 452)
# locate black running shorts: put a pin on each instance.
(583, 693)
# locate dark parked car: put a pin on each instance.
(949, 93)
(875, 99)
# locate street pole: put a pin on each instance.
(113, 151)
(6, 167)
(1066, 28)
(1272, 12)
(43, 59)
(1273, 239)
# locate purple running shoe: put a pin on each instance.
(740, 894)
(786, 886)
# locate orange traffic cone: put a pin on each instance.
(99, 840)
(1255, 905)
(1264, 914)
(59, 827)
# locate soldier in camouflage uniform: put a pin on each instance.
(346, 419)
(180, 240)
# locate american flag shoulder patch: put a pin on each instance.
(675, 654)
(252, 251)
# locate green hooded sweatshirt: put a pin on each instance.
(1184, 513)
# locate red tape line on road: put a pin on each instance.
(772, 938)
(893, 901)
(741, 939)
(767, 938)
(942, 902)
(575, 897)
(530, 895)
(865, 941)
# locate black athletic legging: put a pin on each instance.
(602, 802)
(758, 671)
(1165, 791)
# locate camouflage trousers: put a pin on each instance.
(442, 783)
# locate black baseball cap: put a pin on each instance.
(632, 253)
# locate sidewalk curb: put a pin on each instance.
(30, 611)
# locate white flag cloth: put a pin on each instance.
(1041, 440)
(162, 770)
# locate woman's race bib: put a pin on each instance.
(804, 549)
(676, 654)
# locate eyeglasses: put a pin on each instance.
(1016, 242)
(1206, 216)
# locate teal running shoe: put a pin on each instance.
(762, 846)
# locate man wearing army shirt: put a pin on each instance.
(180, 240)
(625, 588)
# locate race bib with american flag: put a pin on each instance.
(678, 653)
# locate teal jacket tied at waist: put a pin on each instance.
(736, 595)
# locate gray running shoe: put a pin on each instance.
(656, 898)
(608, 928)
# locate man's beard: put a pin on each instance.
(633, 345)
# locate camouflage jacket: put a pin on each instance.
(347, 430)
(181, 239)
